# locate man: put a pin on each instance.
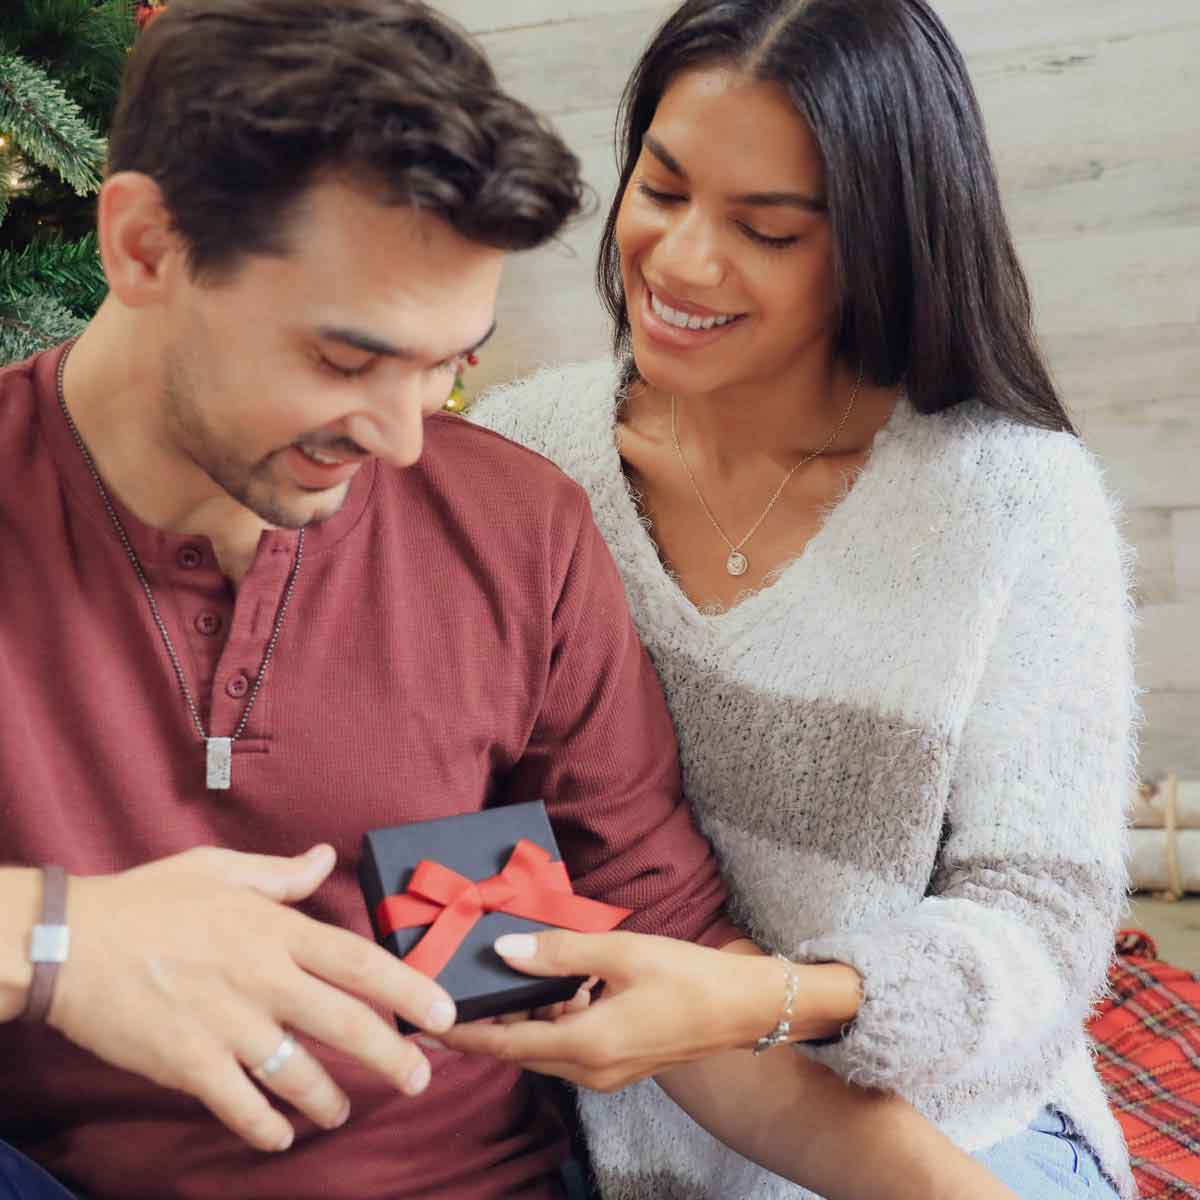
(258, 598)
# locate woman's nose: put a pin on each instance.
(688, 254)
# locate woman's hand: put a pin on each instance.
(665, 1002)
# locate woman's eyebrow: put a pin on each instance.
(757, 199)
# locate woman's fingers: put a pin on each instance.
(530, 1041)
(615, 957)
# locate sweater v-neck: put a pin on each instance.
(636, 532)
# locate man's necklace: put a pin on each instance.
(218, 751)
(737, 563)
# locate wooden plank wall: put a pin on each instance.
(1093, 108)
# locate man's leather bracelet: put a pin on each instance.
(49, 944)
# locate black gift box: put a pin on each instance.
(476, 845)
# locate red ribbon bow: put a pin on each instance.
(529, 886)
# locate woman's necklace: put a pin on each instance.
(218, 751)
(737, 563)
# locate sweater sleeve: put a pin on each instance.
(603, 755)
(1009, 948)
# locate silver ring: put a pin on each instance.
(283, 1052)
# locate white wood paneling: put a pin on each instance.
(1115, 281)
(1171, 733)
(487, 15)
(1150, 529)
(1185, 554)
(1169, 647)
(573, 65)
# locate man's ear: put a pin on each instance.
(142, 253)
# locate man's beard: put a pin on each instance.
(251, 485)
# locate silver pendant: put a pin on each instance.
(737, 563)
(218, 757)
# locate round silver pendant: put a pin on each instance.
(737, 563)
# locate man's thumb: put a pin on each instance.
(287, 879)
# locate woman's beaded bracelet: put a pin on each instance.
(783, 1029)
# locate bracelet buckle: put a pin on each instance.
(49, 944)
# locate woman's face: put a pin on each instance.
(726, 253)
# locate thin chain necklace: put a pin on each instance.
(737, 563)
(218, 751)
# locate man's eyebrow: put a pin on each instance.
(373, 345)
(756, 199)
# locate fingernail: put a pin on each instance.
(516, 945)
(418, 1081)
(285, 1142)
(342, 1116)
(428, 1043)
(320, 854)
(442, 1015)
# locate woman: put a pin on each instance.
(879, 578)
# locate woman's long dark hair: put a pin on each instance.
(931, 290)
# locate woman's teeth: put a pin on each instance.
(682, 320)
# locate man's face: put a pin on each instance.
(282, 381)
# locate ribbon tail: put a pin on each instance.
(443, 938)
(566, 910)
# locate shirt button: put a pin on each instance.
(237, 686)
(209, 624)
(189, 557)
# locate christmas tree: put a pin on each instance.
(60, 71)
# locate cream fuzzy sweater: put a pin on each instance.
(913, 754)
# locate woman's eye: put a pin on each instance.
(656, 196)
(763, 239)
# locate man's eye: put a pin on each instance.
(345, 372)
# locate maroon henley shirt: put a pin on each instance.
(458, 638)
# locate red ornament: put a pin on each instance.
(147, 10)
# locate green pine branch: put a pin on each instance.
(12, 170)
(83, 43)
(29, 324)
(48, 125)
(68, 271)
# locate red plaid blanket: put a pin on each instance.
(1148, 1051)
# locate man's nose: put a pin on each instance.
(391, 426)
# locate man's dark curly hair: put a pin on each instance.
(236, 107)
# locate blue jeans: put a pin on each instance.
(21, 1179)
(1049, 1161)
(1046, 1162)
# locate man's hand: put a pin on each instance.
(190, 970)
